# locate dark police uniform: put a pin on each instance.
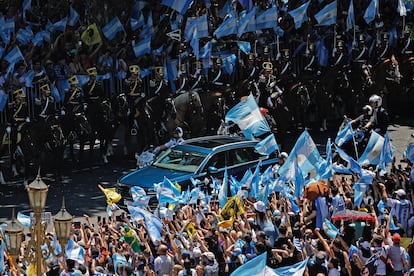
(94, 95)
(217, 77)
(74, 97)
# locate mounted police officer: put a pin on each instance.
(266, 83)
(340, 58)
(406, 45)
(217, 77)
(182, 82)
(360, 55)
(74, 98)
(45, 104)
(383, 50)
(311, 67)
(251, 71)
(134, 92)
(94, 95)
(18, 116)
(160, 92)
(197, 81)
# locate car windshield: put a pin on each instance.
(180, 160)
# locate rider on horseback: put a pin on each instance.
(75, 100)
(18, 117)
(94, 95)
(45, 104)
(217, 77)
(181, 82)
(134, 92)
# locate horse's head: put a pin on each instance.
(55, 138)
(367, 75)
(120, 105)
(107, 112)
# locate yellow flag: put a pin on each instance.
(91, 35)
(178, 186)
(111, 195)
(232, 208)
(226, 223)
(191, 230)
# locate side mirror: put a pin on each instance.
(212, 169)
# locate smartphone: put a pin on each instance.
(77, 224)
(99, 219)
(104, 221)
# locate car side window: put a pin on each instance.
(243, 155)
(218, 160)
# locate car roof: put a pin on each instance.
(213, 143)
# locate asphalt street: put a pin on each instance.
(79, 184)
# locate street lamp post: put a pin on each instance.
(14, 237)
(37, 191)
(63, 225)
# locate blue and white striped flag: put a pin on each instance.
(112, 28)
(255, 266)
(372, 153)
(268, 145)
(200, 23)
(387, 153)
(228, 27)
(409, 153)
(222, 195)
(27, 5)
(14, 55)
(247, 22)
(306, 153)
(195, 44)
(299, 14)
(23, 219)
(205, 52)
(5, 36)
(327, 15)
(59, 26)
(143, 47)
(73, 17)
(181, 6)
(297, 269)
(139, 196)
(344, 135)
(75, 252)
(355, 167)
(360, 187)
(153, 223)
(267, 19)
(37, 40)
(325, 170)
(248, 117)
(9, 26)
(136, 23)
(24, 36)
(350, 19)
(148, 29)
(330, 229)
(244, 46)
(372, 11)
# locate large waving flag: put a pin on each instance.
(372, 153)
(256, 266)
(200, 23)
(24, 35)
(344, 135)
(268, 145)
(111, 195)
(409, 152)
(229, 63)
(143, 47)
(247, 22)
(91, 35)
(152, 222)
(372, 11)
(355, 167)
(228, 27)
(299, 14)
(139, 196)
(148, 29)
(27, 5)
(167, 192)
(267, 19)
(136, 23)
(181, 6)
(297, 269)
(222, 196)
(248, 117)
(327, 15)
(112, 28)
(3, 99)
(306, 153)
(73, 17)
(387, 152)
(360, 187)
(326, 169)
(59, 25)
(350, 19)
(14, 56)
(75, 252)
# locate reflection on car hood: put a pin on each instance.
(148, 176)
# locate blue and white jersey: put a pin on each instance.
(402, 209)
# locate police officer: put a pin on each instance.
(406, 45)
(379, 120)
(340, 59)
(18, 116)
(383, 50)
(182, 82)
(266, 83)
(311, 67)
(251, 71)
(197, 80)
(360, 54)
(218, 80)
(45, 104)
(74, 98)
(159, 93)
(133, 90)
(94, 95)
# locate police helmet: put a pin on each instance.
(268, 66)
(367, 109)
(134, 69)
(266, 50)
(376, 99)
(179, 131)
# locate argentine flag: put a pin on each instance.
(372, 153)
(153, 223)
(299, 14)
(75, 252)
(268, 145)
(181, 6)
(143, 47)
(112, 28)
(327, 15)
(73, 17)
(247, 116)
(409, 152)
(344, 135)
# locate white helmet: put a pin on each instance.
(376, 99)
(367, 109)
(179, 131)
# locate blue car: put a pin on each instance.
(193, 159)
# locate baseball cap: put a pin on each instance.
(396, 238)
(209, 255)
(196, 252)
(400, 192)
(259, 206)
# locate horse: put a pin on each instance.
(215, 106)
(122, 111)
(77, 128)
(189, 115)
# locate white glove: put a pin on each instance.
(62, 112)
(27, 120)
(8, 129)
(156, 150)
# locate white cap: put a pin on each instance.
(400, 192)
(259, 206)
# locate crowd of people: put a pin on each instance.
(198, 239)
